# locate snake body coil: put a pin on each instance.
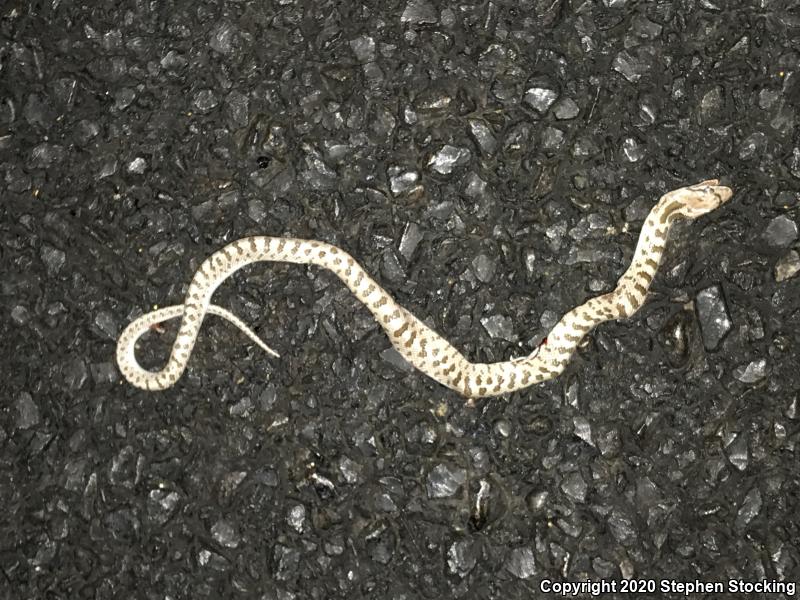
(416, 342)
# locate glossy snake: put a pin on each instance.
(416, 342)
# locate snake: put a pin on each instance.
(416, 342)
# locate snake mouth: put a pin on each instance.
(720, 193)
(707, 196)
(723, 192)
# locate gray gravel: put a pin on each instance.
(491, 164)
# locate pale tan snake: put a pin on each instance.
(416, 342)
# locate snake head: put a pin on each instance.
(696, 200)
